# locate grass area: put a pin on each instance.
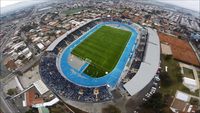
(198, 72)
(111, 109)
(74, 10)
(174, 75)
(103, 48)
(188, 73)
(61, 107)
(186, 90)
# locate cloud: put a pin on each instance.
(189, 4)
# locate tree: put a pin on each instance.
(28, 27)
(194, 101)
(111, 109)
(180, 37)
(51, 33)
(179, 78)
(11, 91)
(19, 73)
(165, 79)
(32, 110)
(167, 57)
(155, 103)
(28, 40)
(178, 73)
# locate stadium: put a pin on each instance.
(87, 63)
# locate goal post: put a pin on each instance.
(88, 60)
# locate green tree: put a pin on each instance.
(166, 81)
(11, 91)
(19, 73)
(194, 101)
(180, 37)
(167, 57)
(155, 103)
(32, 110)
(111, 109)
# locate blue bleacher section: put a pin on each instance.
(55, 81)
(138, 57)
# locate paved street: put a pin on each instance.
(5, 105)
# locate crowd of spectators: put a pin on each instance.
(138, 57)
(71, 37)
(55, 81)
(61, 86)
(77, 33)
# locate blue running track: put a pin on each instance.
(84, 67)
(80, 78)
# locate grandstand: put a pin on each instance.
(59, 85)
(118, 57)
(148, 67)
(63, 72)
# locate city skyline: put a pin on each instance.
(188, 4)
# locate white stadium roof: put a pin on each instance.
(148, 67)
(50, 103)
(41, 87)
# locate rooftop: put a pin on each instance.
(181, 49)
(31, 97)
(41, 87)
(148, 68)
(55, 42)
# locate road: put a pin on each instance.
(5, 106)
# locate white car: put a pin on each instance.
(144, 99)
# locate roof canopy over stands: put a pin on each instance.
(41, 87)
(148, 67)
(50, 103)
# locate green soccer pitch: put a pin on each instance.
(103, 48)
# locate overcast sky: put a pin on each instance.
(189, 4)
(5, 3)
